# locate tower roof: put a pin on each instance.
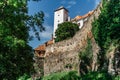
(61, 7)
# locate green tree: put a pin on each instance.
(15, 53)
(65, 31)
(106, 28)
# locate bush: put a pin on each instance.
(97, 76)
(117, 78)
(72, 75)
(24, 77)
(66, 30)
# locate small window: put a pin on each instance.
(78, 24)
(58, 21)
(66, 19)
(58, 15)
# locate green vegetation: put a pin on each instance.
(16, 57)
(106, 29)
(24, 77)
(86, 58)
(97, 76)
(72, 75)
(66, 30)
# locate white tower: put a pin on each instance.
(60, 16)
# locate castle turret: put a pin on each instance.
(60, 16)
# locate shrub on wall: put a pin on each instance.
(66, 30)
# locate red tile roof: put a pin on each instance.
(84, 16)
(50, 42)
(41, 47)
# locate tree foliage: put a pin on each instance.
(106, 28)
(73, 75)
(65, 31)
(15, 23)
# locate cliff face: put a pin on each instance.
(63, 56)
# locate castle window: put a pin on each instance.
(66, 19)
(78, 24)
(58, 21)
(58, 15)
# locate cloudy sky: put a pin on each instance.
(75, 7)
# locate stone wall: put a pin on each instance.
(63, 56)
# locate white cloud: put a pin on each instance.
(63, 2)
(70, 4)
(48, 33)
(46, 15)
(88, 0)
(44, 36)
(96, 3)
(79, 12)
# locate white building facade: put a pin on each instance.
(61, 15)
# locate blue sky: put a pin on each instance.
(75, 7)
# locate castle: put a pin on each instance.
(60, 16)
(63, 56)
